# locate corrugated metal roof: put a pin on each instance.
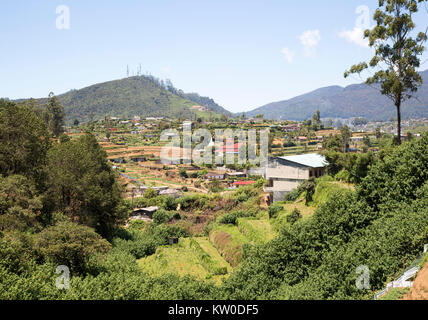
(312, 160)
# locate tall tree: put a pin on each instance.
(82, 184)
(397, 52)
(56, 115)
(346, 134)
(316, 120)
(23, 141)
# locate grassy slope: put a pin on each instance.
(229, 241)
(324, 189)
(208, 247)
(256, 230)
(395, 294)
(187, 258)
(204, 257)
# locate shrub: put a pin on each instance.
(220, 271)
(295, 216)
(309, 187)
(289, 144)
(161, 216)
(232, 217)
(176, 215)
(274, 210)
(215, 186)
(182, 172)
(70, 244)
(150, 193)
(294, 195)
(170, 203)
(343, 175)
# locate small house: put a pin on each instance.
(243, 183)
(236, 175)
(357, 139)
(144, 213)
(215, 175)
(286, 173)
(170, 192)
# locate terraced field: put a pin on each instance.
(209, 258)
(228, 240)
(256, 230)
(213, 258)
(191, 256)
(290, 151)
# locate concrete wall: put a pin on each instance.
(287, 186)
(279, 196)
(288, 172)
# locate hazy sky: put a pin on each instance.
(243, 54)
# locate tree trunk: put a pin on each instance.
(398, 105)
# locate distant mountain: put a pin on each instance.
(357, 100)
(144, 96)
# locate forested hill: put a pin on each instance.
(134, 96)
(207, 102)
(357, 100)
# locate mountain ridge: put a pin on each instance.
(356, 100)
(149, 96)
(137, 95)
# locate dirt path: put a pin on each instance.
(419, 290)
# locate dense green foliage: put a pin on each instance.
(67, 209)
(382, 225)
(294, 216)
(69, 244)
(232, 217)
(23, 141)
(82, 185)
(349, 167)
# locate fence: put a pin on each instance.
(402, 281)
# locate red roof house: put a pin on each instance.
(243, 183)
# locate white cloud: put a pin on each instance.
(165, 69)
(310, 40)
(355, 36)
(288, 55)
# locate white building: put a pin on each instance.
(286, 173)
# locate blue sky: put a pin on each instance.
(243, 54)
